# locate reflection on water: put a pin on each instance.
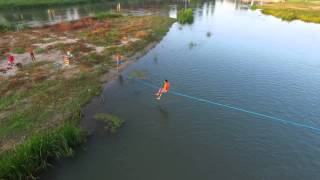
(39, 16)
(173, 12)
(51, 14)
(121, 80)
(163, 111)
(119, 7)
(72, 14)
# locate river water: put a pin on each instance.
(37, 16)
(230, 55)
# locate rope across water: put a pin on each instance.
(266, 117)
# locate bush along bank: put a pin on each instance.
(185, 16)
(30, 158)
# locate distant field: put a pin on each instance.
(10, 3)
(308, 11)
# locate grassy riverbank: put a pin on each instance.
(40, 104)
(289, 11)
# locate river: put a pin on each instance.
(230, 55)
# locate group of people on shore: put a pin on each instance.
(118, 58)
(67, 58)
(11, 58)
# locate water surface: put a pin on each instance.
(38, 16)
(251, 61)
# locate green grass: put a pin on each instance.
(185, 16)
(39, 50)
(92, 59)
(48, 99)
(31, 157)
(104, 15)
(19, 50)
(305, 11)
(111, 37)
(6, 28)
(58, 100)
(12, 27)
(290, 15)
(254, 7)
(112, 123)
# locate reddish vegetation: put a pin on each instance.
(141, 34)
(80, 24)
(101, 25)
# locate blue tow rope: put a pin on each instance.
(290, 122)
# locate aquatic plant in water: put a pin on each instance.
(185, 16)
(155, 57)
(208, 34)
(192, 45)
(254, 6)
(113, 123)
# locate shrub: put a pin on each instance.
(185, 16)
(12, 27)
(6, 28)
(254, 7)
(27, 159)
(92, 59)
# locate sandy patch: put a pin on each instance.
(54, 56)
(63, 40)
(98, 49)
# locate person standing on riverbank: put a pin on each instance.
(164, 89)
(31, 52)
(10, 61)
(118, 60)
(69, 54)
